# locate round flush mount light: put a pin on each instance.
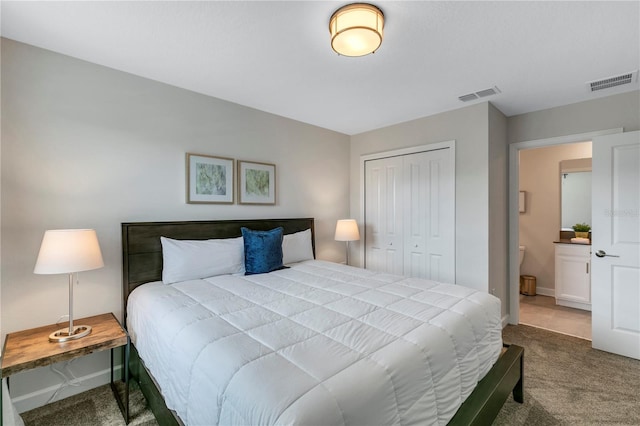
(356, 29)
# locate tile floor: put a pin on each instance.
(542, 312)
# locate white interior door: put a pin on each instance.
(615, 255)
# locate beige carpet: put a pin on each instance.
(96, 407)
(569, 383)
(566, 383)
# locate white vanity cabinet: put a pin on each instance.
(573, 275)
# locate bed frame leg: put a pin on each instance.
(518, 390)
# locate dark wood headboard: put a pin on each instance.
(142, 251)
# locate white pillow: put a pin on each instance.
(192, 259)
(297, 247)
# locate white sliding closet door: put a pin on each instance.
(384, 239)
(429, 216)
(410, 215)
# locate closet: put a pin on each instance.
(410, 213)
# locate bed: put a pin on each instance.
(317, 343)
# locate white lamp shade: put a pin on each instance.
(347, 230)
(68, 250)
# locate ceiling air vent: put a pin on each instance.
(488, 92)
(469, 97)
(618, 80)
(481, 94)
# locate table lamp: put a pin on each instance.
(347, 230)
(69, 251)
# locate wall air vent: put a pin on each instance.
(606, 83)
(480, 94)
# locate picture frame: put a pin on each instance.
(256, 183)
(210, 179)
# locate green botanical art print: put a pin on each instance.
(257, 182)
(211, 179)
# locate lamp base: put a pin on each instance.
(63, 334)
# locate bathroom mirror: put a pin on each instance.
(575, 185)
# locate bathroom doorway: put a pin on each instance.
(555, 182)
(540, 214)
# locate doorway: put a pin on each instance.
(555, 184)
(514, 211)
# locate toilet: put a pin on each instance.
(521, 254)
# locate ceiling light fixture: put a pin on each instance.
(356, 29)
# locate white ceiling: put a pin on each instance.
(276, 56)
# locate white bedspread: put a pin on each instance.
(317, 344)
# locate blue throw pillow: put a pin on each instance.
(262, 250)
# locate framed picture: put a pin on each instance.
(209, 179)
(256, 183)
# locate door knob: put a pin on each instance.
(602, 253)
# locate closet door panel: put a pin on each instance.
(382, 215)
(374, 254)
(434, 267)
(440, 220)
(416, 185)
(393, 217)
(433, 219)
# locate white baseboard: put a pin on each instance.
(40, 397)
(575, 305)
(544, 291)
(505, 321)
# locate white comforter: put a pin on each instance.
(317, 344)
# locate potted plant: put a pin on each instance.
(581, 230)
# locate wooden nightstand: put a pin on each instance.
(24, 350)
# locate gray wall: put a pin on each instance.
(469, 127)
(88, 146)
(482, 134)
(621, 110)
(498, 242)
